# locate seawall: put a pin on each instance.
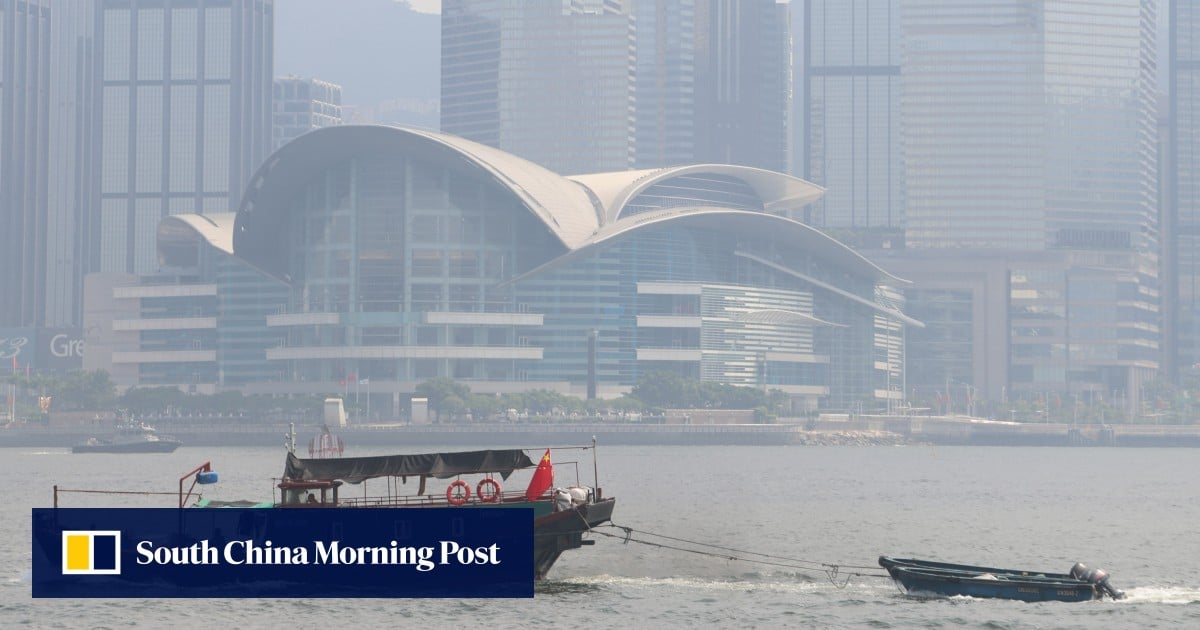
(871, 430)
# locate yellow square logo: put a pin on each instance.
(91, 552)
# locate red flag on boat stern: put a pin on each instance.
(543, 478)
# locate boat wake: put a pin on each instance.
(25, 578)
(1161, 595)
(768, 583)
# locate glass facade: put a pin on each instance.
(1185, 194)
(408, 259)
(185, 116)
(713, 83)
(427, 271)
(666, 82)
(24, 143)
(597, 85)
(852, 113)
(301, 105)
(1031, 127)
(743, 83)
(199, 321)
(552, 82)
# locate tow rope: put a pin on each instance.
(836, 573)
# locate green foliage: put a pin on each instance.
(78, 390)
(666, 389)
(440, 389)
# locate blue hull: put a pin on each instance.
(921, 578)
(928, 584)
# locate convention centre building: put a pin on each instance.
(369, 259)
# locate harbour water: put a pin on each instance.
(1132, 511)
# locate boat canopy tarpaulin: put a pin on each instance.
(440, 465)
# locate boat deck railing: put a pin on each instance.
(431, 500)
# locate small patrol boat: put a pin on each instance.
(129, 438)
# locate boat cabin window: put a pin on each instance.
(309, 493)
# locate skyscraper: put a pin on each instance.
(185, 115)
(71, 195)
(1023, 136)
(1019, 135)
(301, 105)
(851, 114)
(743, 83)
(713, 82)
(24, 142)
(1184, 187)
(666, 82)
(552, 82)
(586, 86)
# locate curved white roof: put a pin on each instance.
(779, 193)
(216, 228)
(582, 211)
(562, 204)
(805, 236)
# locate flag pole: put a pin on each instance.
(12, 391)
(595, 470)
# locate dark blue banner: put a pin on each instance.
(279, 552)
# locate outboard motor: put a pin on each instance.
(1096, 577)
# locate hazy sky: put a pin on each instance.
(425, 6)
(377, 50)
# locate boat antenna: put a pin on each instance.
(289, 439)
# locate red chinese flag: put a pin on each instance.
(543, 478)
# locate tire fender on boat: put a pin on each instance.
(458, 498)
(490, 496)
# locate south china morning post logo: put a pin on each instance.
(91, 552)
(264, 552)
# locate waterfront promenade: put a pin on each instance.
(860, 430)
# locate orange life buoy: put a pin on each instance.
(488, 497)
(458, 498)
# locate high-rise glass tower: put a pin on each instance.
(1031, 128)
(851, 113)
(713, 82)
(552, 82)
(743, 83)
(73, 168)
(1022, 133)
(185, 115)
(666, 82)
(1184, 190)
(592, 85)
(24, 142)
(301, 105)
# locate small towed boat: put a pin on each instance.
(926, 578)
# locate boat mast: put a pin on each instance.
(595, 469)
